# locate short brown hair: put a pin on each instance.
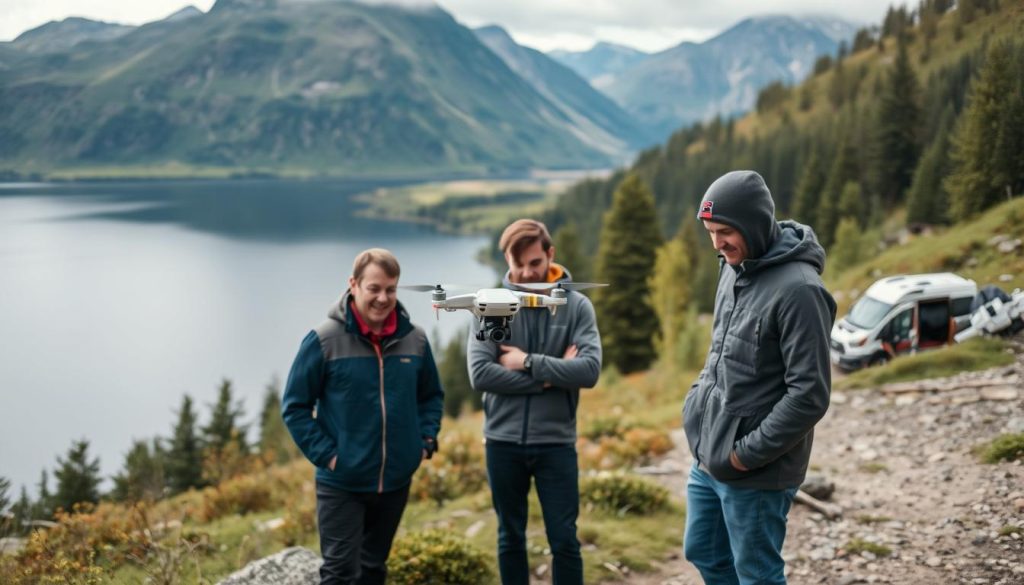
(523, 233)
(379, 256)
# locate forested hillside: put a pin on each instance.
(923, 115)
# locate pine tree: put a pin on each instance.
(896, 142)
(808, 189)
(142, 478)
(223, 426)
(275, 441)
(851, 204)
(22, 512)
(846, 251)
(927, 198)
(8, 521)
(843, 170)
(455, 376)
(569, 254)
(670, 293)
(988, 165)
(43, 508)
(184, 462)
(78, 478)
(625, 259)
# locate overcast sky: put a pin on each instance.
(650, 25)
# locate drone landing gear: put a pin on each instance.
(494, 328)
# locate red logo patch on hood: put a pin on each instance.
(705, 209)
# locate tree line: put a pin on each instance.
(193, 456)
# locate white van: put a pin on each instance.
(902, 314)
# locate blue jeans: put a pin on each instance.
(734, 535)
(556, 472)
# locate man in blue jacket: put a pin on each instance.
(363, 402)
(531, 390)
(750, 416)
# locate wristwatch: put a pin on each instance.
(528, 362)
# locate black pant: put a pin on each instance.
(555, 471)
(356, 530)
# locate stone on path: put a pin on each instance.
(292, 566)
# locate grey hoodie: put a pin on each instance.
(767, 377)
(518, 408)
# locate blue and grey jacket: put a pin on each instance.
(767, 377)
(517, 406)
(375, 407)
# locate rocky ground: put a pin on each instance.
(918, 507)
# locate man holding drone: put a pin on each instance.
(363, 402)
(750, 416)
(531, 390)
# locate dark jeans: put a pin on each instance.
(356, 530)
(734, 535)
(554, 468)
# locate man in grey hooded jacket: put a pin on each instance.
(750, 416)
(531, 387)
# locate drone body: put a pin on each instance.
(495, 308)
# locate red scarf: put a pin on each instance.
(389, 328)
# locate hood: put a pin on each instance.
(741, 199)
(556, 273)
(341, 311)
(796, 242)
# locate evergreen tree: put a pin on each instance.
(670, 293)
(223, 426)
(43, 508)
(454, 376)
(78, 478)
(847, 250)
(275, 441)
(927, 199)
(568, 252)
(851, 204)
(22, 512)
(184, 462)
(843, 170)
(8, 521)
(142, 478)
(625, 260)
(808, 189)
(988, 165)
(896, 132)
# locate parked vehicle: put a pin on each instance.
(902, 314)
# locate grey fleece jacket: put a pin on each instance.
(767, 377)
(517, 406)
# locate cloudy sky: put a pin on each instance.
(544, 24)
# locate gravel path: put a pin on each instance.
(909, 485)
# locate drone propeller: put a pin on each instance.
(432, 287)
(562, 285)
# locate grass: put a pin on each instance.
(1009, 447)
(975, 354)
(869, 519)
(857, 546)
(1008, 530)
(873, 468)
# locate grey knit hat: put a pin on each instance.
(742, 200)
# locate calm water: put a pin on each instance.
(115, 299)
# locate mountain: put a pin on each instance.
(696, 81)
(598, 121)
(283, 86)
(601, 63)
(56, 36)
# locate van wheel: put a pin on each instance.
(879, 359)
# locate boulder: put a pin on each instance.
(818, 487)
(292, 566)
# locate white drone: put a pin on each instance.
(495, 308)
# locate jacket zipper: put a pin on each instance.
(384, 420)
(721, 352)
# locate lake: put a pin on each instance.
(118, 298)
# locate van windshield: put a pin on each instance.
(867, 312)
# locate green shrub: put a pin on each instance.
(242, 495)
(436, 557)
(1004, 448)
(623, 494)
(457, 469)
(857, 546)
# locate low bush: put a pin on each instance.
(623, 494)
(457, 469)
(436, 557)
(241, 495)
(1004, 448)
